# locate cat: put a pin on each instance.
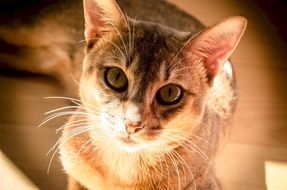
(156, 89)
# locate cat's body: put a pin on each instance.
(160, 125)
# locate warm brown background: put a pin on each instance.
(260, 125)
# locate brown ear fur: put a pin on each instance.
(101, 16)
(214, 45)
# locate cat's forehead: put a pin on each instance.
(153, 47)
(143, 46)
(156, 42)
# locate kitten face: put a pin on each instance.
(162, 92)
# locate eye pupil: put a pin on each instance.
(116, 79)
(169, 94)
(169, 91)
(118, 76)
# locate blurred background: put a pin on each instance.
(255, 156)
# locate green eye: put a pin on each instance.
(116, 79)
(169, 94)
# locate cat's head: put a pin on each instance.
(144, 84)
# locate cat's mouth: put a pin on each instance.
(127, 144)
(127, 140)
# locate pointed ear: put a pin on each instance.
(215, 44)
(101, 16)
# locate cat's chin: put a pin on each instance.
(127, 144)
(127, 141)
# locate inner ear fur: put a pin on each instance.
(215, 45)
(101, 16)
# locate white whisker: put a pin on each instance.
(118, 48)
(87, 142)
(173, 162)
(74, 109)
(120, 37)
(64, 139)
(56, 115)
(191, 146)
(77, 124)
(73, 78)
(190, 136)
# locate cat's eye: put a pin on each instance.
(169, 94)
(116, 79)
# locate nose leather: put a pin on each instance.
(132, 127)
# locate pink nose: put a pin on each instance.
(132, 127)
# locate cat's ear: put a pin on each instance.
(101, 16)
(215, 44)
